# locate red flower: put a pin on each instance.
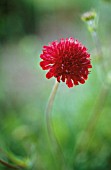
(67, 60)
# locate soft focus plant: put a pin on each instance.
(78, 136)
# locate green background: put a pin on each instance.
(25, 26)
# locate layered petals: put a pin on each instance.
(67, 61)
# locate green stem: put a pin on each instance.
(50, 127)
(97, 43)
(48, 112)
(18, 163)
(99, 52)
(99, 106)
(87, 134)
(86, 137)
(10, 166)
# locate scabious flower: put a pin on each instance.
(67, 61)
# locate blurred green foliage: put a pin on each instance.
(25, 25)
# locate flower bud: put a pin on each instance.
(87, 16)
(90, 19)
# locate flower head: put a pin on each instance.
(67, 61)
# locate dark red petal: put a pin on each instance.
(75, 81)
(89, 66)
(46, 67)
(45, 57)
(47, 47)
(85, 76)
(63, 78)
(81, 80)
(84, 48)
(43, 63)
(49, 75)
(88, 55)
(58, 78)
(69, 82)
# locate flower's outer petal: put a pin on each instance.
(58, 78)
(45, 65)
(89, 66)
(81, 80)
(63, 78)
(69, 82)
(75, 81)
(49, 75)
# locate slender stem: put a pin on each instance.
(9, 156)
(99, 106)
(102, 95)
(87, 135)
(99, 51)
(48, 111)
(97, 43)
(8, 165)
(50, 127)
(104, 89)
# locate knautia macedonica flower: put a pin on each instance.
(67, 61)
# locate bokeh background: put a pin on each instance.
(25, 26)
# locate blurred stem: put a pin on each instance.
(8, 165)
(50, 128)
(97, 43)
(86, 137)
(48, 111)
(99, 106)
(104, 89)
(18, 163)
(99, 51)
